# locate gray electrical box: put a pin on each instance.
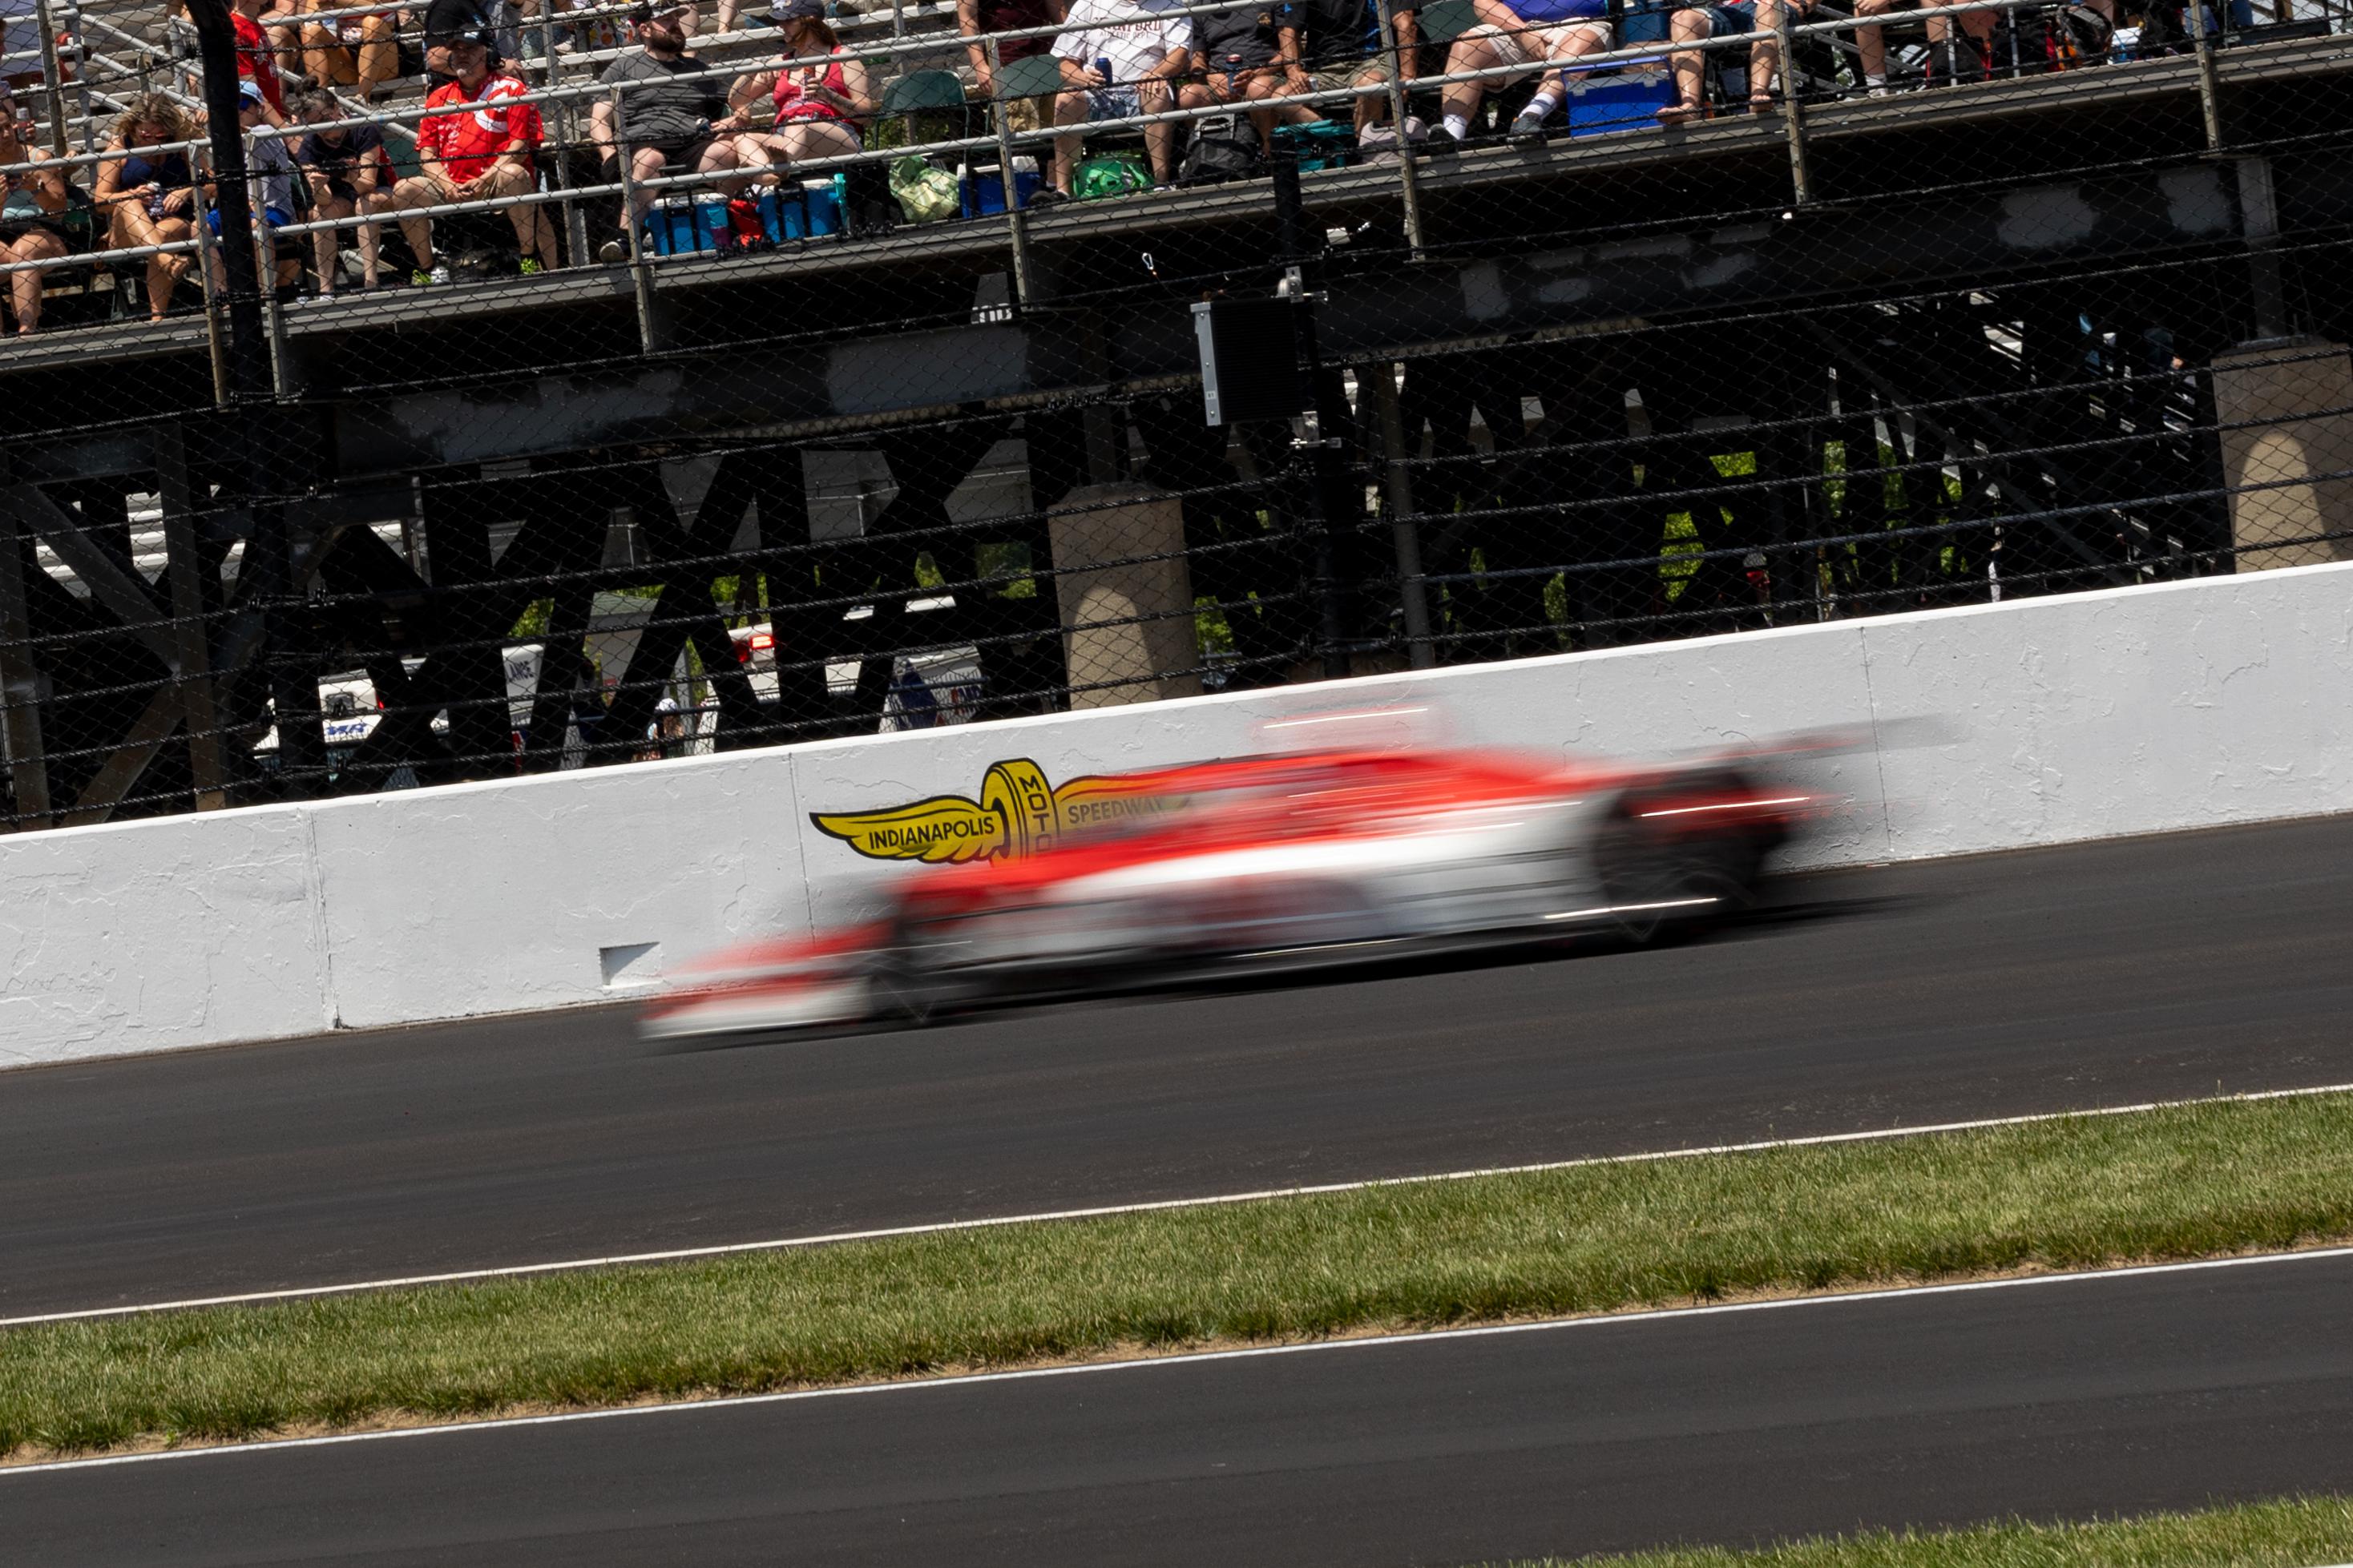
(1250, 360)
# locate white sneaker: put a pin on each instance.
(440, 273)
(612, 253)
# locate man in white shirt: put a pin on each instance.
(1117, 70)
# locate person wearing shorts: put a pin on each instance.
(351, 175)
(361, 53)
(674, 114)
(32, 201)
(1334, 47)
(977, 18)
(1727, 20)
(1529, 33)
(1871, 43)
(270, 175)
(476, 143)
(1144, 57)
(1234, 54)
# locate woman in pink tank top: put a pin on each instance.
(819, 113)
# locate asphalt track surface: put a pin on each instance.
(2060, 1399)
(2005, 984)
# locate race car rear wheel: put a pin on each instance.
(1663, 880)
(908, 983)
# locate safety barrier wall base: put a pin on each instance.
(2180, 705)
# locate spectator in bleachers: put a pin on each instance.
(350, 174)
(269, 178)
(1235, 51)
(147, 195)
(281, 20)
(1143, 59)
(1728, 18)
(357, 52)
(674, 117)
(479, 147)
(974, 17)
(31, 201)
(1332, 45)
(497, 23)
(20, 46)
(257, 55)
(811, 113)
(570, 35)
(1871, 43)
(1528, 33)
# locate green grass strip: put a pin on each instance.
(2292, 1532)
(2173, 1184)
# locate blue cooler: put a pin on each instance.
(1617, 100)
(682, 224)
(804, 211)
(984, 193)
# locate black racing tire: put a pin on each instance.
(1662, 884)
(906, 984)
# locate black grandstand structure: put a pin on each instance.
(2054, 311)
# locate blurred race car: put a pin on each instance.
(1305, 858)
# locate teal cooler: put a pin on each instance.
(1319, 144)
(1602, 101)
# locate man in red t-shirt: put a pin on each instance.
(257, 59)
(478, 149)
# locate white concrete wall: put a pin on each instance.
(2183, 705)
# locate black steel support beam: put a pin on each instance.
(20, 682)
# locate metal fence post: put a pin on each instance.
(265, 261)
(56, 82)
(184, 576)
(1793, 110)
(1408, 187)
(1017, 222)
(641, 282)
(215, 338)
(21, 685)
(2210, 84)
(1405, 528)
(81, 75)
(575, 223)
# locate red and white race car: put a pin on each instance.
(1329, 857)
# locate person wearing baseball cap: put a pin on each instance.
(673, 114)
(476, 143)
(270, 181)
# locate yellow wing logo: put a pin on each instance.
(1018, 812)
(946, 829)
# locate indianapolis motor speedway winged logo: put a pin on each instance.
(1018, 812)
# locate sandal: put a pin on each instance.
(1677, 114)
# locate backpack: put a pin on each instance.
(1224, 148)
(2080, 37)
(2073, 37)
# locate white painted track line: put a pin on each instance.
(940, 1228)
(1203, 1358)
